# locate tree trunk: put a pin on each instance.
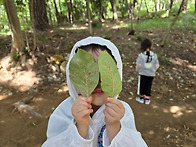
(139, 10)
(158, 5)
(58, 17)
(170, 7)
(39, 14)
(129, 9)
(31, 5)
(155, 6)
(17, 39)
(146, 6)
(184, 7)
(50, 15)
(133, 7)
(172, 24)
(89, 16)
(114, 9)
(101, 16)
(69, 11)
(195, 6)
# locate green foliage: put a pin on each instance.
(148, 20)
(188, 21)
(140, 37)
(16, 56)
(164, 61)
(110, 78)
(26, 49)
(43, 38)
(131, 46)
(84, 72)
(107, 36)
(153, 23)
(96, 24)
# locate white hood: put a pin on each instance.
(87, 41)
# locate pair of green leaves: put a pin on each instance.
(84, 73)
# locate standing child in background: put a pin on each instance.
(147, 63)
(95, 121)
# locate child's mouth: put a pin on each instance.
(98, 91)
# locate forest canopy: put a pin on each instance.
(72, 11)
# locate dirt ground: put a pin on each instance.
(169, 121)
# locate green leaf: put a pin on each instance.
(84, 72)
(111, 83)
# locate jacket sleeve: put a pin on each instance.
(156, 65)
(128, 136)
(62, 131)
(138, 62)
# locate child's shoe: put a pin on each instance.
(140, 99)
(147, 101)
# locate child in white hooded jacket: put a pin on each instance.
(95, 121)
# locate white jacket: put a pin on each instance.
(147, 69)
(62, 131)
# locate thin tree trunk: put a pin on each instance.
(172, 24)
(17, 39)
(58, 17)
(146, 6)
(195, 6)
(71, 9)
(139, 10)
(184, 7)
(101, 16)
(50, 15)
(129, 9)
(114, 9)
(33, 26)
(158, 5)
(89, 16)
(69, 12)
(170, 7)
(155, 6)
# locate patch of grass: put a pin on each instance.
(69, 46)
(131, 46)
(140, 37)
(153, 23)
(83, 31)
(107, 36)
(164, 61)
(188, 21)
(43, 38)
(96, 24)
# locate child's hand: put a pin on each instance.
(114, 111)
(81, 110)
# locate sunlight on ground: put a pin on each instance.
(178, 111)
(76, 28)
(38, 99)
(63, 89)
(151, 132)
(181, 62)
(22, 80)
(2, 97)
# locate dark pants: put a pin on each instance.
(144, 85)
